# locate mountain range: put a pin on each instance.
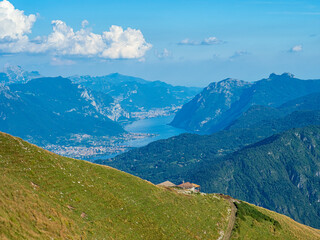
(132, 98)
(16, 74)
(222, 102)
(84, 113)
(136, 98)
(46, 109)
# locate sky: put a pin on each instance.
(181, 42)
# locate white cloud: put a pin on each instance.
(204, 42)
(84, 23)
(64, 41)
(296, 48)
(116, 43)
(14, 24)
(61, 62)
(238, 54)
(128, 43)
(164, 54)
(188, 42)
(210, 41)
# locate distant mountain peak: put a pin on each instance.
(15, 68)
(227, 84)
(233, 81)
(16, 74)
(52, 81)
(116, 74)
(285, 75)
(230, 80)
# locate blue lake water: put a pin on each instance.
(158, 126)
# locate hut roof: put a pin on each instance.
(167, 184)
(196, 185)
(188, 185)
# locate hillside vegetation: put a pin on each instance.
(280, 173)
(46, 196)
(175, 157)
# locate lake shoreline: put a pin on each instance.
(158, 128)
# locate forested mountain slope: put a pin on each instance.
(281, 173)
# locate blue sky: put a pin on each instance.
(194, 42)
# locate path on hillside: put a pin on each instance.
(232, 220)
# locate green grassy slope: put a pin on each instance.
(258, 223)
(43, 196)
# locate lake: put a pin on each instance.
(158, 126)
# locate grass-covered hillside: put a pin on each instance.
(46, 196)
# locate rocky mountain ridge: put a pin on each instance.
(221, 103)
